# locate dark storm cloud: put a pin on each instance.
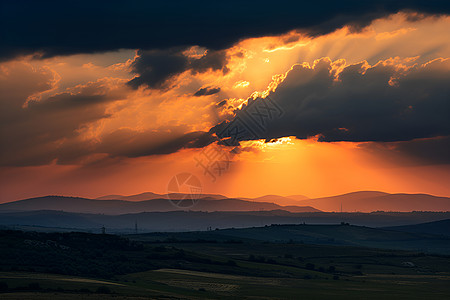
(122, 143)
(423, 151)
(212, 61)
(381, 103)
(130, 143)
(156, 67)
(206, 91)
(51, 28)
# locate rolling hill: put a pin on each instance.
(280, 200)
(361, 201)
(364, 201)
(298, 197)
(348, 235)
(52, 220)
(116, 207)
(368, 201)
(247, 225)
(441, 227)
(151, 196)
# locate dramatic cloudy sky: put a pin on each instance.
(312, 97)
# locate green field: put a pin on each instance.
(186, 284)
(157, 266)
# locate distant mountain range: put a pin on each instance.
(368, 201)
(151, 196)
(364, 201)
(361, 201)
(422, 220)
(280, 200)
(117, 207)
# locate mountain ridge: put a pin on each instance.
(368, 201)
(360, 201)
(117, 207)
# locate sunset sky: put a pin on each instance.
(119, 97)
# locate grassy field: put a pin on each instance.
(186, 284)
(112, 267)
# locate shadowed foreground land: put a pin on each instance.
(189, 266)
(197, 221)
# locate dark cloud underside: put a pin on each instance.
(423, 151)
(394, 113)
(375, 104)
(206, 91)
(62, 28)
(154, 68)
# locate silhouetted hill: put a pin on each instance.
(68, 204)
(115, 207)
(362, 201)
(242, 205)
(151, 196)
(378, 201)
(109, 197)
(170, 222)
(49, 219)
(280, 200)
(348, 235)
(196, 220)
(437, 227)
(298, 197)
(202, 196)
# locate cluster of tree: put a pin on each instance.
(92, 255)
(85, 254)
